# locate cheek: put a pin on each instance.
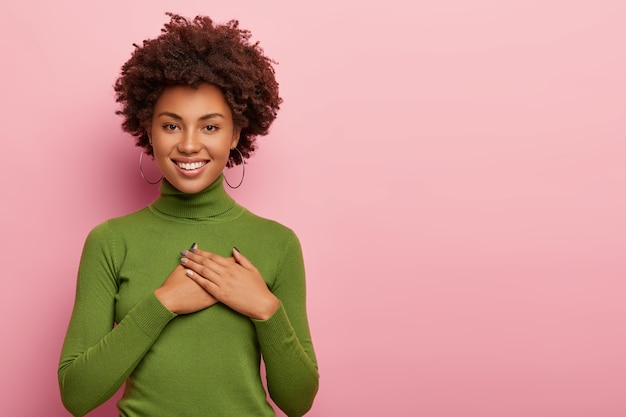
(162, 142)
(220, 149)
(161, 150)
(157, 149)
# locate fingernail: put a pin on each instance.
(193, 247)
(189, 272)
(184, 261)
(235, 247)
(184, 252)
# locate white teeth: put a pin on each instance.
(191, 165)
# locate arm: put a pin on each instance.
(279, 316)
(97, 357)
(291, 366)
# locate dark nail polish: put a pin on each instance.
(235, 247)
(192, 249)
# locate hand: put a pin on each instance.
(234, 281)
(181, 295)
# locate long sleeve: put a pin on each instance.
(98, 356)
(200, 364)
(285, 340)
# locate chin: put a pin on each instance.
(191, 186)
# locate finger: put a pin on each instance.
(207, 270)
(205, 258)
(207, 284)
(195, 249)
(197, 261)
(242, 260)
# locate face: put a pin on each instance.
(192, 133)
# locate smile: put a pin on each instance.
(190, 166)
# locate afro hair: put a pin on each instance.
(193, 52)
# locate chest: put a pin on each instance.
(146, 265)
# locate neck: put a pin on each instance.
(211, 203)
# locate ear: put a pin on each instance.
(149, 133)
(235, 139)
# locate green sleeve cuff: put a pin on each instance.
(151, 316)
(277, 329)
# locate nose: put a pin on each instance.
(189, 143)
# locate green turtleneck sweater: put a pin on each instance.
(202, 364)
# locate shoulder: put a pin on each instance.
(267, 238)
(272, 247)
(110, 231)
(123, 224)
(268, 226)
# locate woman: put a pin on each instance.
(185, 329)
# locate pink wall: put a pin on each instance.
(455, 170)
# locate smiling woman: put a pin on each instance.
(186, 329)
(192, 134)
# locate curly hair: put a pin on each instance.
(194, 52)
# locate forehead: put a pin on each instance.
(189, 102)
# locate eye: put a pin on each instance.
(170, 127)
(210, 128)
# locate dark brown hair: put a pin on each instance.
(194, 52)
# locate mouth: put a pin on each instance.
(190, 166)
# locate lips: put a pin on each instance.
(190, 166)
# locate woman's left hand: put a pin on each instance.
(234, 281)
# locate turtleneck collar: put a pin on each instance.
(212, 203)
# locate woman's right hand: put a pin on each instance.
(181, 295)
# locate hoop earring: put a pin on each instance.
(141, 171)
(243, 174)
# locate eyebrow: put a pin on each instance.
(177, 117)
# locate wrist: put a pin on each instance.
(269, 307)
(161, 295)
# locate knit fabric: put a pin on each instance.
(201, 364)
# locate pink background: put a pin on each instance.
(455, 170)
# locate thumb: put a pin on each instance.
(241, 260)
